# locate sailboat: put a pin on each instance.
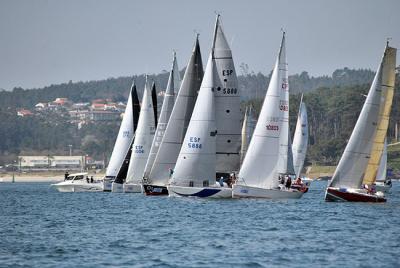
(116, 170)
(166, 109)
(126, 133)
(269, 156)
(143, 139)
(358, 166)
(194, 173)
(300, 143)
(248, 126)
(155, 182)
(383, 183)
(227, 105)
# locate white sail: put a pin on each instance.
(381, 174)
(166, 109)
(285, 162)
(249, 124)
(259, 168)
(227, 103)
(124, 139)
(196, 161)
(176, 76)
(300, 140)
(354, 161)
(177, 125)
(143, 138)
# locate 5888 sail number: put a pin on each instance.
(194, 143)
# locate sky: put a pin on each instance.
(51, 42)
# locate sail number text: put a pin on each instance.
(139, 149)
(194, 143)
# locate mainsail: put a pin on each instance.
(178, 122)
(125, 136)
(360, 160)
(176, 76)
(300, 140)
(259, 168)
(227, 103)
(143, 138)
(166, 109)
(196, 161)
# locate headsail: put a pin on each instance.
(196, 161)
(370, 130)
(227, 103)
(176, 76)
(259, 168)
(121, 176)
(177, 125)
(125, 136)
(382, 170)
(249, 124)
(300, 140)
(143, 138)
(166, 109)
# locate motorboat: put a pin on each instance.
(78, 182)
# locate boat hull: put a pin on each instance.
(243, 191)
(203, 192)
(155, 190)
(107, 186)
(132, 188)
(339, 194)
(70, 187)
(117, 187)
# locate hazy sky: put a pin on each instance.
(51, 42)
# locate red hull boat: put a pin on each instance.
(342, 194)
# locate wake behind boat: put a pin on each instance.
(79, 182)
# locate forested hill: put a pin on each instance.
(252, 86)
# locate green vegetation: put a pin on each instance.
(333, 104)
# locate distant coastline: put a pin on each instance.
(50, 176)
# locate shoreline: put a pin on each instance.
(40, 176)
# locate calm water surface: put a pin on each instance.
(40, 227)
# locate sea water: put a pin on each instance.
(40, 227)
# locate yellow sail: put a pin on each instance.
(387, 89)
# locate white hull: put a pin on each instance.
(68, 186)
(204, 192)
(117, 187)
(132, 188)
(107, 185)
(242, 191)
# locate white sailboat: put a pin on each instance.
(358, 166)
(165, 160)
(383, 183)
(300, 139)
(194, 173)
(123, 142)
(166, 109)
(227, 105)
(269, 155)
(249, 123)
(141, 147)
(127, 129)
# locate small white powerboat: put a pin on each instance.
(78, 182)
